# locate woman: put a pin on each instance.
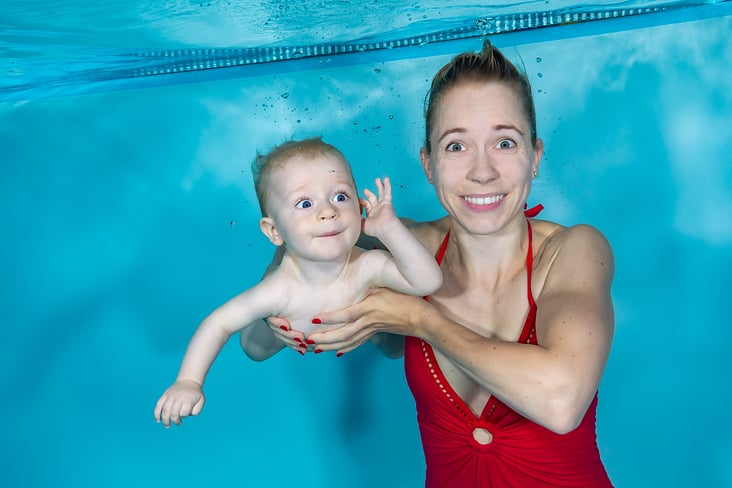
(505, 359)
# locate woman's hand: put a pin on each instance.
(294, 339)
(383, 310)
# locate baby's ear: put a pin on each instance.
(268, 228)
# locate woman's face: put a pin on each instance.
(481, 159)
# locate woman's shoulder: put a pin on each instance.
(430, 233)
(575, 245)
(553, 235)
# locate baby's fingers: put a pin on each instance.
(166, 411)
(182, 408)
(365, 205)
(198, 407)
(163, 413)
(188, 408)
(159, 408)
(370, 200)
(385, 189)
(158, 413)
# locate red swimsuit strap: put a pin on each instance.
(533, 211)
(530, 213)
(529, 265)
(443, 247)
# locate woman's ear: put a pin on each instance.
(269, 229)
(538, 153)
(426, 166)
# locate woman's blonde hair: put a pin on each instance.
(488, 65)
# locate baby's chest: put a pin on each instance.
(300, 308)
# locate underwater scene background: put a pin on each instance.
(128, 214)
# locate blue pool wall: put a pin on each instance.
(128, 216)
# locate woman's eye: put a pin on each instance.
(455, 147)
(340, 197)
(304, 203)
(506, 144)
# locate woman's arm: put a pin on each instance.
(553, 383)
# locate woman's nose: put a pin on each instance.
(482, 169)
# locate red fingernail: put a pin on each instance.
(302, 344)
(284, 327)
(339, 354)
(310, 341)
(316, 320)
(318, 351)
(297, 339)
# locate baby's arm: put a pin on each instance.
(264, 338)
(258, 340)
(185, 396)
(413, 269)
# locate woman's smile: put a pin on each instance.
(483, 202)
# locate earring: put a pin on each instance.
(534, 173)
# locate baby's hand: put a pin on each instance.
(181, 399)
(380, 215)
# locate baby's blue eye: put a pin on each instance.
(340, 197)
(304, 204)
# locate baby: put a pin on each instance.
(310, 206)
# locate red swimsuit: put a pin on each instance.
(521, 454)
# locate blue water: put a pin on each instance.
(127, 215)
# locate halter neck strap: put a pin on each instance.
(533, 211)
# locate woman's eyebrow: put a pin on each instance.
(497, 127)
(456, 130)
(509, 127)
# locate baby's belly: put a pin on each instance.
(300, 314)
(304, 322)
(307, 327)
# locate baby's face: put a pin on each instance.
(314, 205)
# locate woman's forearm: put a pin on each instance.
(547, 385)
